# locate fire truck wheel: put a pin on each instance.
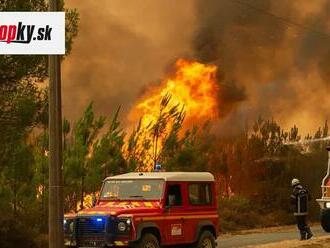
(325, 219)
(206, 240)
(148, 240)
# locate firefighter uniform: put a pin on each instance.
(299, 201)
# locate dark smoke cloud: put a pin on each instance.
(122, 46)
(268, 66)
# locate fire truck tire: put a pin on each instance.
(206, 239)
(148, 240)
(325, 219)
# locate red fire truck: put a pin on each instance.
(325, 200)
(149, 210)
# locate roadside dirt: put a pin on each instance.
(262, 230)
(274, 237)
(319, 242)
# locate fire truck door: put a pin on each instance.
(174, 221)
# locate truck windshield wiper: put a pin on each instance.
(136, 196)
(111, 197)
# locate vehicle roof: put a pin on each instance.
(168, 176)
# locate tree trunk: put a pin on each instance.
(82, 192)
(15, 187)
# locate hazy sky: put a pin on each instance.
(123, 46)
(266, 66)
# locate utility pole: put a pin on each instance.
(55, 230)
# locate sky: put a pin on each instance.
(273, 56)
(122, 47)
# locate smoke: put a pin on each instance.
(276, 67)
(122, 47)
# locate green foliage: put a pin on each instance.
(15, 234)
(40, 178)
(253, 170)
(237, 213)
(136, 148)
(108, 152)
(189, 152)
(14, 68)
(23, 136)
(90, 155)
(146, 143)
(78, 153)
(167, 142)
(21, 110)
(260, 165)
(71, 28)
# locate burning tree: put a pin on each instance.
(189, 94)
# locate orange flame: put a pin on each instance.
(192, 89)
(88, 200)
(193, 86)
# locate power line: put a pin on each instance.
(280, 18)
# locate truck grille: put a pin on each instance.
(90, 243)
(90, 226)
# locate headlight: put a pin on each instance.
(327, 204)
(71, 227)
(68, 226)
(122, 226)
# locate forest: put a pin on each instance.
(253, 169)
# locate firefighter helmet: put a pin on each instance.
(295, 182)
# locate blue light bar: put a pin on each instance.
(99, 220)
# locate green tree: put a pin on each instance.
(78, 154)
(146, 143)
(14, 68)
(23, 107)
(40, 177)
(108, 158)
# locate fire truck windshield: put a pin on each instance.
(140, 189)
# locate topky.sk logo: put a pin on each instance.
(21, 33)
(32, 33)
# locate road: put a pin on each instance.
(264, 237)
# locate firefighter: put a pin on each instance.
(299, 201)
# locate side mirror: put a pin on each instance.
(94, 200)
(167, 207)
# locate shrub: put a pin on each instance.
(16, 234)
(238, 213)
